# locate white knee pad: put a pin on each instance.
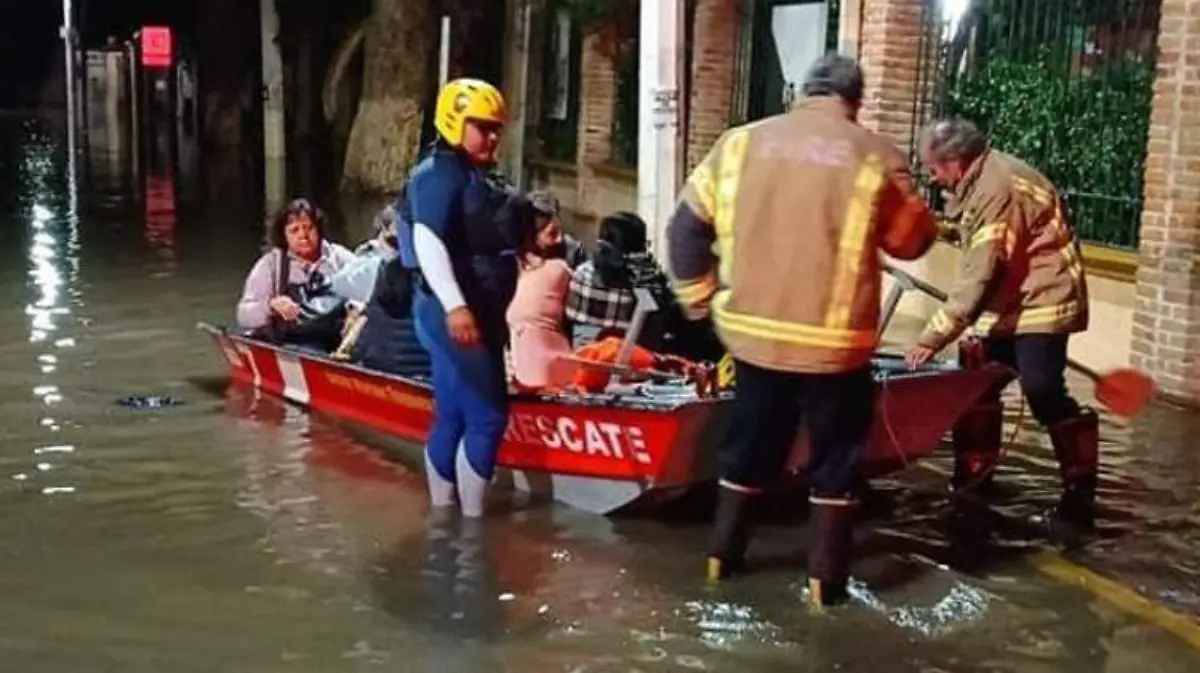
(472, 488)
(441, 491)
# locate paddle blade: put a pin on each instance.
(1125, 391)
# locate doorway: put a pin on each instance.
(788, 36)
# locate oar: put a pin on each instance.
(1125, 391)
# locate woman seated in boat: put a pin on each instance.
(546, 205)
(288, 286)
(601, 299)
(356, 281)
(386, 336)
(537, 329)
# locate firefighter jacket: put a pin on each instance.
(1021, 270)
(778, 234)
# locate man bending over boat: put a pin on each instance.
(455, 235)
(777, 233)
(1021, 284)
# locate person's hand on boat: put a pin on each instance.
(285, 307)
(918, 356)
(463, 330)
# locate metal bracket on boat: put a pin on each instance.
(902, 282)
(910, 282)
(644, 307)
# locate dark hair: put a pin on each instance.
(835, 75)
(544, 203)
(277, 225)
(621, 234)
(532, 220)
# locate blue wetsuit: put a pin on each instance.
(472, 218)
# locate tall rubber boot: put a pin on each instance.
(732, 525)
(831, 526)
(977, 439)
(1076, 444)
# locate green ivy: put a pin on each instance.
(1086, 131)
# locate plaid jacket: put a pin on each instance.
(590, 302)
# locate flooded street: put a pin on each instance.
(235, 533)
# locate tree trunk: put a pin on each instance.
(387, 130)
(342, 90)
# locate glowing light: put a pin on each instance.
(952, 13)
(41, 214)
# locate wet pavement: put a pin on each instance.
(234, 533)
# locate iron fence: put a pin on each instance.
(1065, 85)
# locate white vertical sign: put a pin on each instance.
(272, 81)
(67, 32)
(660, 108)
(444, 53)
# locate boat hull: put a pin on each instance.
(601, 453)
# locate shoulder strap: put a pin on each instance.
(285, 272)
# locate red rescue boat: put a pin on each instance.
(643, 443)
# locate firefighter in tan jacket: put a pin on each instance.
(778, 234)
(1021, 286)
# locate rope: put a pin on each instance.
(1005, 445)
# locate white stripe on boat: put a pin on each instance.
(295, 387)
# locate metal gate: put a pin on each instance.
(1065, 85)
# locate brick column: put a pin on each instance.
(1166, 320)
(597, 111)
(889, 50)
(714, 50)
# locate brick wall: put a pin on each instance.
(714, 47)
(889, 47)
(597, 111)
(1166, 321)
(888, 42)
(597, 99)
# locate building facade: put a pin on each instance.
(1096, 99)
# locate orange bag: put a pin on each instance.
(595, 379)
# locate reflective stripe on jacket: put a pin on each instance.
(1021, 270)
(779, 233)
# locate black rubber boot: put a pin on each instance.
(977, 436)
(831, 526)
(1076, 444)
(968, 532)
(731, 533)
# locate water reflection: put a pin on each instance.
(549, 589)
(160, 221)
(53, 271)
(462, 603)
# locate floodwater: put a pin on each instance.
(233, 533)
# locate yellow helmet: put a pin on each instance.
(467, 99)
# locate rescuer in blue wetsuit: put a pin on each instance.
(457, 234)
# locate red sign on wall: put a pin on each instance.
(156, 47)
